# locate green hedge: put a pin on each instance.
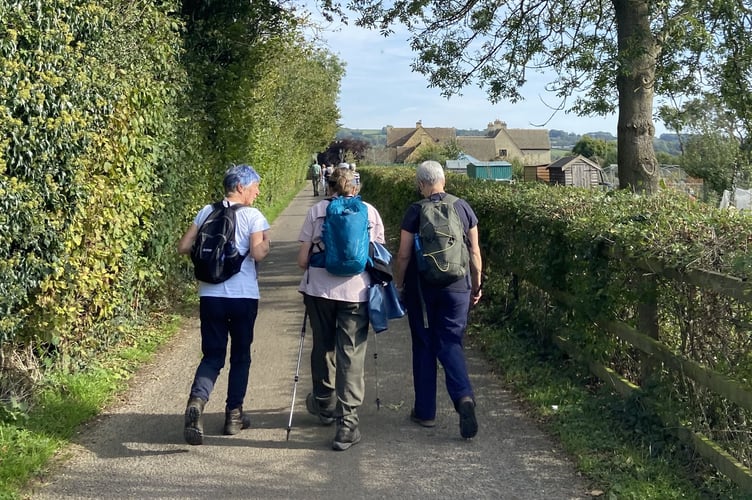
(557, 237)
(117, 121)
(85, 102)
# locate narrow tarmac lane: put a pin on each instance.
(136, 448)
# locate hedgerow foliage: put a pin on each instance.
(117, 121)
(83, 123)
(593, 246)
(269, 96)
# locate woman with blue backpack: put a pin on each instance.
(333, 252)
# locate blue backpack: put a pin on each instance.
(345, 237)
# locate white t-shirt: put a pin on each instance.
(243, 285)
(317, 281)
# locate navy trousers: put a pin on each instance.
(222, 317)
(446, 315)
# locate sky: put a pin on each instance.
(379, 89)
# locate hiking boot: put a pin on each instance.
(468, 422)
(193, 431)
(314, 408)
(422, 422)
(236, 420)
(345, 437)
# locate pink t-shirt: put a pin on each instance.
(317, 281)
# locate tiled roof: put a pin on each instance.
(566, 160)
(399, 136)
(529, 138)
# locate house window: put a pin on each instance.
(502, 153)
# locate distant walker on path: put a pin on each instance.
(314, 173)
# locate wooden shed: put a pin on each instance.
(536, 173)
(575, 171)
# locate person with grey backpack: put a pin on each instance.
(438, 275)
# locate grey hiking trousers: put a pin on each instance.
(340, 335)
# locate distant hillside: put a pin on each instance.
(566, 140)
(560, 140)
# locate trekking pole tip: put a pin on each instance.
(288, 434)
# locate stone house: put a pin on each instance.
(531, 146)
(402, 144)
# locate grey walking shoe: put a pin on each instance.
(193, 430)
(423, 422)
(345, 437)
(236, 420)
(314, 408)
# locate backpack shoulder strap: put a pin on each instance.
(450, 198)
(238, 207)
(422, 203)
(328, 200)
(216, 207)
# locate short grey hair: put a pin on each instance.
(430, 172)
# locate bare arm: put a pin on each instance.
(186, 242)
(303, 253)
(377, 229)
(403, 258)
(476, 264)
(260, 245)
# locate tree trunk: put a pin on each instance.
(638, 52)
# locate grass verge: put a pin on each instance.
(621, 448)
(63, 401)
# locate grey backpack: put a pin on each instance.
(441, 251)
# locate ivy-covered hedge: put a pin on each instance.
(117, 121)
(84, 108)
(560, 238)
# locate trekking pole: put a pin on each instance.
(297, 374)
(376, 368)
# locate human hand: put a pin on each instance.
(476, 294)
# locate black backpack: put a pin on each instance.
(214, 253)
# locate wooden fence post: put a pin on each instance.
(647, 323)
